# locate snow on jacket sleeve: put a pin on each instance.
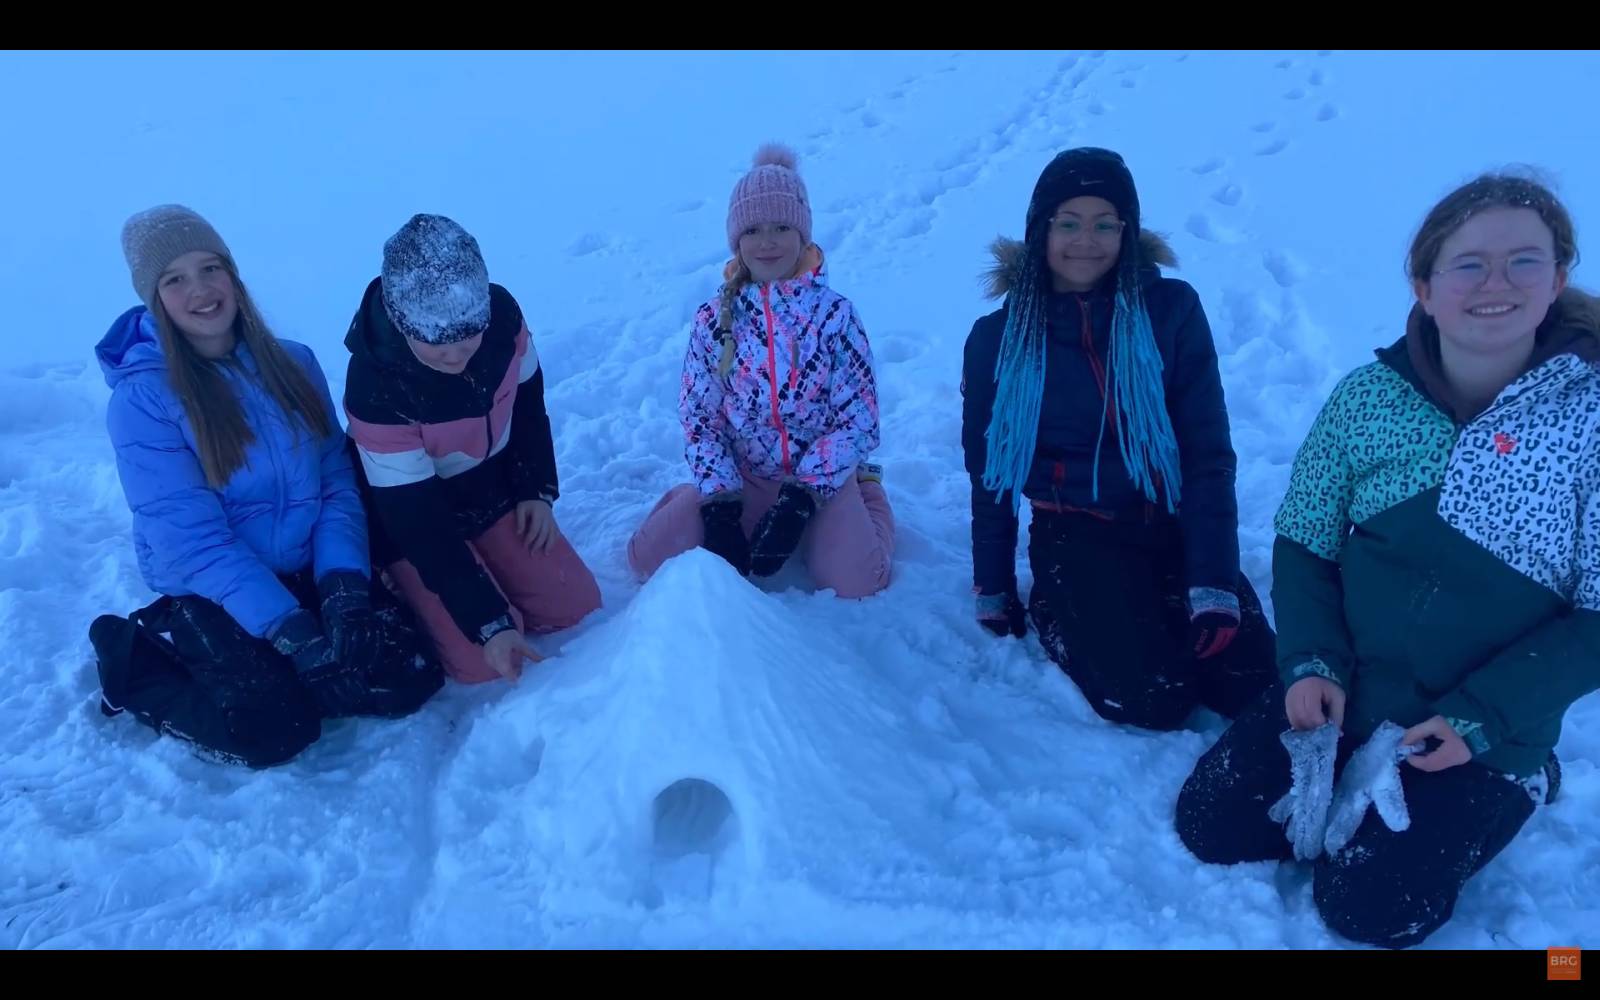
(852, 410)
(700, 401)
(181, 518)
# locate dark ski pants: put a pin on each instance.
(1110, 606)
(1384, 888)
(184, 667)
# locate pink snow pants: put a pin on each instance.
(847, 546)
(547, 592)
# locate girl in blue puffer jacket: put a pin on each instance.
(245, 518)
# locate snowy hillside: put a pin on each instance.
(705, 763)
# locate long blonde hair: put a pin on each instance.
(221, 433)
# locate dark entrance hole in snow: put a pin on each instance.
(691, 815)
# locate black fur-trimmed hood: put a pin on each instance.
(1009, 255)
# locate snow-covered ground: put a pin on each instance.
(705, 762)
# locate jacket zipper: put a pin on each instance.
(1094, 359)
(772, 377)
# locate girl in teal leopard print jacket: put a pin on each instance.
(1437, 568)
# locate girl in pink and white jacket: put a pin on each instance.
(779, 409)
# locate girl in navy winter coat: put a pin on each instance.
(245, 517)
(1094, 394)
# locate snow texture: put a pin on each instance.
(435, 282)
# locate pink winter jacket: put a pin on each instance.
(799, 404)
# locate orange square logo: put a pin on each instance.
(1564, 963)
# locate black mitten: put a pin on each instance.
(724, 536)
(333, 683)
(348, 620)
(778, 532)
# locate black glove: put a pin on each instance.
(348, 620)
(778, 532)
(333, 684)
(724, 535)
(1003, 614)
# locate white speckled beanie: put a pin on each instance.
(435, 284)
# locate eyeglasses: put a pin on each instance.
(1524, 270)
(1102, 230)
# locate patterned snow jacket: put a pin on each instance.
(1441, 563)
(799, 403)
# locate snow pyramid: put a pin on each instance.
(702, 743)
